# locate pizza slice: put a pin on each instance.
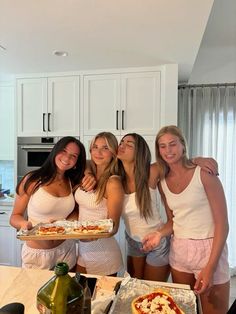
(92, 229)
(49, 230)
(155, 302)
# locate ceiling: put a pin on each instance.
(100, 34)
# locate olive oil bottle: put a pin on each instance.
(61, 294)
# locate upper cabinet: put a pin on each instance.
(48, 106)
(7, 121)
(122, 103)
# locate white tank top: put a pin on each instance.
(88, 209)
(192, 213)
(43, 206)
(138, 227)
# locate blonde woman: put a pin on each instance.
(102, 256)
(197, 217)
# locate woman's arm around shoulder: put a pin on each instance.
(154, 175)
(17, 219)
(115, 199)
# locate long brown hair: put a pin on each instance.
(142, 160)
(162, 165)
(112, 167)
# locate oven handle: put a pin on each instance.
(38, 147)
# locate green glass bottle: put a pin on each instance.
(61, 294)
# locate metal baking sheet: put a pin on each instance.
(185, 298)
(69, 233)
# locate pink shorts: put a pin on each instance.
(190, 256)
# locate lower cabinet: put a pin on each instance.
(8, 241)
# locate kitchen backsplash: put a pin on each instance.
(7, 175)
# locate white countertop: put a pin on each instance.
(6, 201)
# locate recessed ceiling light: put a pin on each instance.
(60, 53)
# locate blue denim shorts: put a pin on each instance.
(159, 256)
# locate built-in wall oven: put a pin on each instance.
(32, 152)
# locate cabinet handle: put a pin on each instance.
(2, 213)
(49, 116)
(44, 122)
(122, 113)
(117, 119)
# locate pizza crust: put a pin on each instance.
(48, 230)
(158, 301)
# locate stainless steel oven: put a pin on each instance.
(32, 152)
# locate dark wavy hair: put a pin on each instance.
(142, 161)
(47, 172)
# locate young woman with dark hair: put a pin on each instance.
(46, 195)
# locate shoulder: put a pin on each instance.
(154, 175)
(114, 182)
(208, 179)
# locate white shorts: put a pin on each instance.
(48, 258)
(100, 257)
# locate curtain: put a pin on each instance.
(207, 117)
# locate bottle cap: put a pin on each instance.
(61, 269)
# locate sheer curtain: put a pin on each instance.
(207, 116)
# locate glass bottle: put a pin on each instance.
(87, 293)
(61, 294)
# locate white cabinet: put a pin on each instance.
(7, 238)
(7, 121)
(122, 103)
(48, 106)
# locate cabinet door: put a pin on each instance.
(63, 106)
(7, 239)
(7, 122)
(140, 103)
(101, 104)
(32, 107)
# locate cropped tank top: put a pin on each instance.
(88, 208)
(192, 213)
(138, 227)
(43, 206)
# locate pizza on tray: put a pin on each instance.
(157, 302)
(92, 229)
(50, 230)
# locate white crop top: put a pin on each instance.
(88, 209)
(138, 227)
(43, 206)
(192, 213)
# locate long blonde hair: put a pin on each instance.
(112, 167)
(162, 165)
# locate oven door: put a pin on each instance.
(31, 157)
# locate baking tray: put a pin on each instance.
(132, 288)
(69, 233)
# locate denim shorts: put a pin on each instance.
(159, 256)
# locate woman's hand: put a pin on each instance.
(203, 283)
(26, 225)
(209, 165)
(151, 240)
(88, 182)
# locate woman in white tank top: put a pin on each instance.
(101, 256)
(46, 195)
(197, 216)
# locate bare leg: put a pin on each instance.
(135, 266)
(157, 273)
(182, 277)
(217, 300)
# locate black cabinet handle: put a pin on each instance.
(44, 122)
(123, 122)
(117, 119)
(2, 213)
(49, 116)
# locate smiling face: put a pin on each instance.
(100, 152)
(170, 148)
(126, 149)
(67, 158)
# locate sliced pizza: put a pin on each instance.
(157, 302)
(49, 230)
(92, 229)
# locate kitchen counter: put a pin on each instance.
(6, 201)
